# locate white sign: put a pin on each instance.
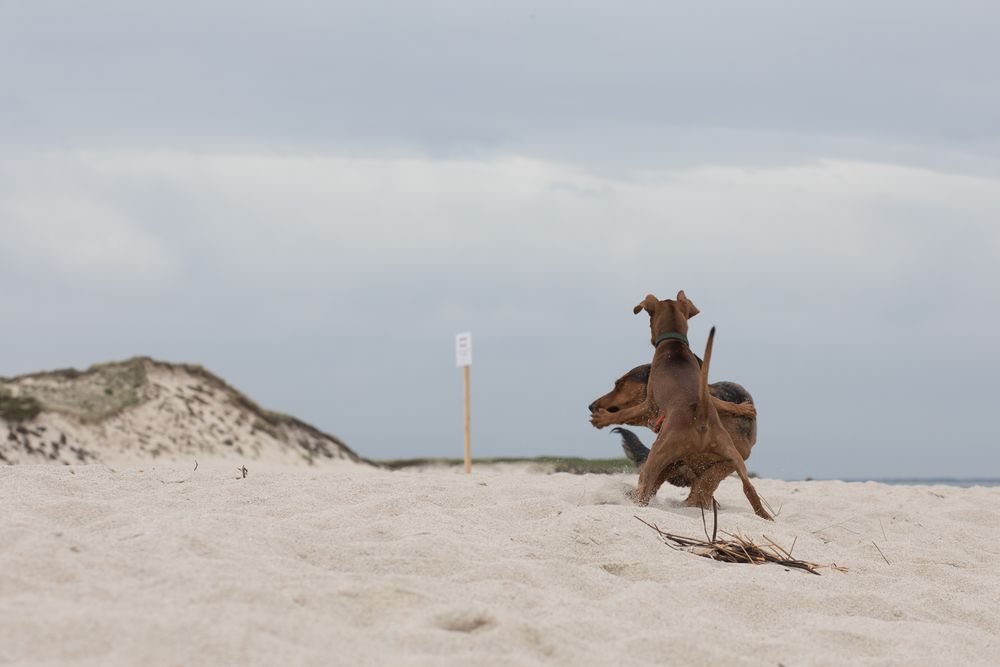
(463, 349)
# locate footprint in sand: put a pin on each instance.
(467, 622)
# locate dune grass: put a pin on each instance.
(18, 408)
(568, 464)
(101, 391)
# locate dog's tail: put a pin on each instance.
(701, 412)
(635, 451)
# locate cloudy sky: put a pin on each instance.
(311, 198)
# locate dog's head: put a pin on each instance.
(669, 315)
(629, 391)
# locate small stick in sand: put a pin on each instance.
(777, 548)
(881, 554)
(771, 509)
(242, 470)
(196, 464)
(839, 524)
(715, 521)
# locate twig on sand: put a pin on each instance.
(839, 524)
(242, 470)
(775, 546)
(881, 554)
(715, 520)
(769, 508)
(737, 549)
(196, 464)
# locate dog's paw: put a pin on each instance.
(633, 495)
(601, 419)
(698, 501)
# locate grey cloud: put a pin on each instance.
(332, 288)
(312, 198)
(445, 79)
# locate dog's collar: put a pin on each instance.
(671, 336)
(655, 424)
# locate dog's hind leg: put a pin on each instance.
(658, 466)
(650, 472)
(748, 490)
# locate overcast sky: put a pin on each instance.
(311, 198)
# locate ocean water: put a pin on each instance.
(930, 481)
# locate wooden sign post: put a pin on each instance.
(463, 358)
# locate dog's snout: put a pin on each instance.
(594, 407)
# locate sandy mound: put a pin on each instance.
(319, 567)
(143, 410)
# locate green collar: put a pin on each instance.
(671, 336)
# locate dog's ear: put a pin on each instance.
(648, 304)
(687, 304)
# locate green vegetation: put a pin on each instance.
(101, 391)
(577, 466)
(18, 408)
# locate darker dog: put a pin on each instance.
(692, 434)
(734, 403)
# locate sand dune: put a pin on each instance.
(166, 565)
(143, 410)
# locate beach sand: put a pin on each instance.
(359, 566)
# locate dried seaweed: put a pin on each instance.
(737, 549)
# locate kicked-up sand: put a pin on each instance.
(508, 566)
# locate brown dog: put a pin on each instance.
(733, 402)
(692, 432)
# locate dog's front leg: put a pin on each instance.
(639, 412)
(746, 410)
(748, 490)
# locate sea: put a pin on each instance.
(932, 481)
